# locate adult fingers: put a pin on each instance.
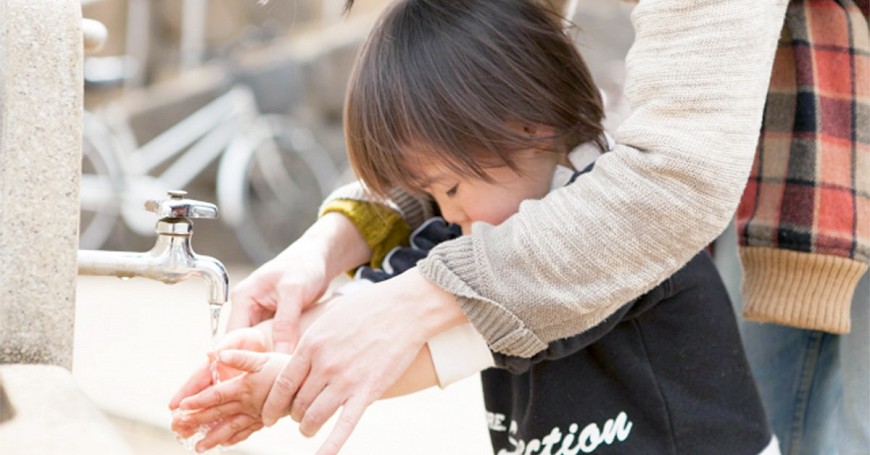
(246, 313)
(199, 380)
(223, 431)
(350, 416)
(311, 418)
(251, 301)
(284, 389)
(285, 326)
(310, 390)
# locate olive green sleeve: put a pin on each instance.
(382, 227)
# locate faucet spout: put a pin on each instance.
(171, 260)
(215, 275)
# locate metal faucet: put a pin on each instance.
(172, 259)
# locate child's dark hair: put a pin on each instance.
(463, 79)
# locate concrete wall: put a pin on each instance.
(40, 159)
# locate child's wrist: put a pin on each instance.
(339, 239)
(265, 327)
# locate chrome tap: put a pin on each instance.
(172, 259)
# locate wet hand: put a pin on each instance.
(231, 410)
(249, 339)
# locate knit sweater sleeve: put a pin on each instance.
(413, 210)
(383, 223)
(696, 80)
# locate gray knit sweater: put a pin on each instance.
(697, 76)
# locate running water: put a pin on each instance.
(190, 443)
(215, 310)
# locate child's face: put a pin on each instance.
(466, 199)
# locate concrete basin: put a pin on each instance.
(43, 411)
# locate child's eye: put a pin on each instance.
(452, 191)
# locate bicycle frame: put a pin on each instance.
(202, 130)
(193, 143)
(268, 169)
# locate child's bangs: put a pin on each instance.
(390, 133)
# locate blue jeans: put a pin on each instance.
(815, 385)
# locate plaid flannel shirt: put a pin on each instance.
(804, 219)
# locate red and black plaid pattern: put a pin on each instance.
(809, 189)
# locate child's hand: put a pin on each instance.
(250, 339)
(231, 409)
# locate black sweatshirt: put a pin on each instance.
(665, 374)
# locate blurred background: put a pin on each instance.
(239, 103)
(165, 62)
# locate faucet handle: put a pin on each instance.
(177, 206)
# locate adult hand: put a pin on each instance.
(283, 287)
(280, 289)
(355, 351)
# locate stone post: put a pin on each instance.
(40, 163)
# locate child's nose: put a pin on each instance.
(453, 215)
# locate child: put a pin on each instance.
(484, 106)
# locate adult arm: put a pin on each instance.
(804, 220)
(697, 77)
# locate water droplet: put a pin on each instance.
(215, 310)
(124, 278)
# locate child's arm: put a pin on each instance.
(419, 375)
(232, 409)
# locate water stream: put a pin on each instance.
(190, 443)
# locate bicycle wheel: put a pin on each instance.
(101, 183)
(271, 182)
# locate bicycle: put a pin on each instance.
(268, 166)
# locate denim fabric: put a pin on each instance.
(799, 377)
(852, 422)
(815, 385)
